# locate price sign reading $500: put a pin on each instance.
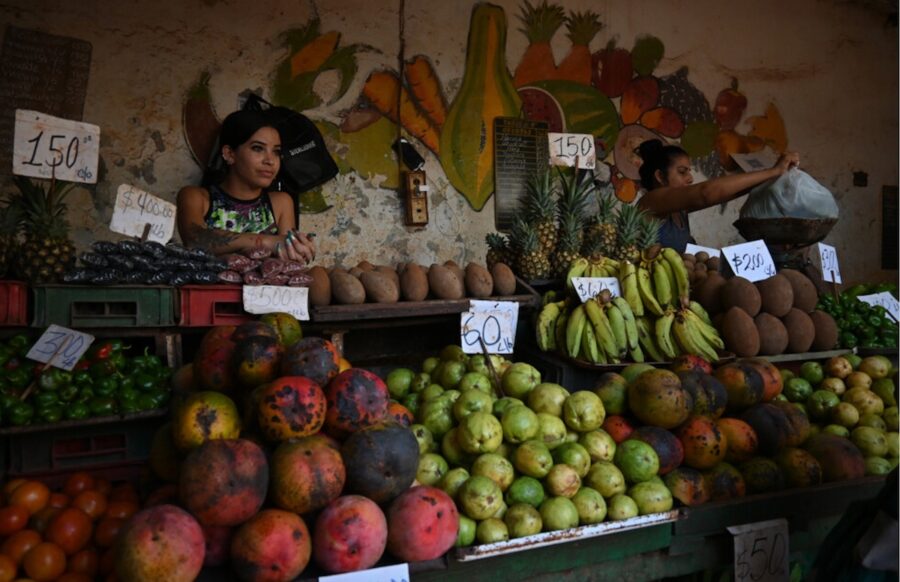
(751, 260)
(493, 322)
(45, 147)
(259, 299)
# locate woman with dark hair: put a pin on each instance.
(234, 210)
(670, 193)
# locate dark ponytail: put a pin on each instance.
(656, 156)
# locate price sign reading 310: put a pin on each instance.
(47, 147)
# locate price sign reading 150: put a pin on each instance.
(567, 149)
(45, 147)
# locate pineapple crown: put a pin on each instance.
(522, 237)
(570, 231)
(575, 188)
(10, 217)
(606, 206)
(628, 223)
(541, 21)
(540, 194)
(582, 27)
(496, 241)
(649, 231)
(43, 209)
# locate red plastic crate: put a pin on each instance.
(13, 303)
(209, 305)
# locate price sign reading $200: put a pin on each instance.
(135, 209)
(751, 260)
(45, 147)
(493, 322)
(60, 347)
(568, 148)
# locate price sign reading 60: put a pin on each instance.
(491, 322)
(45, 147)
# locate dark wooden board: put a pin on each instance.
(520, 150)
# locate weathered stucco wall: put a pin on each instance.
(829, 66)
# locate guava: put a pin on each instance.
(870, 441)
(476, 381)
(562, 481)
(424, 438)
(480, 432)
(835, 385)
(496, 468)
(432, 468)
(451, 374)
(532, 458)
(520, 379)
(466, 535)
(845, 414)
(399, 381)
(651, 497)
(637, 460)
(520, 424)
(525, 489)
(583, 411)
(501, 404)
(522, 520)
(621, 507)
(812, 372)
(599, 445)
(479, 497)
(553, 430)
(471, 401)
(606, 478)
(491, 530)
(612, 389)
(820, 403)
(547, 398)
(558, 513)
(590, 505)
(453, 480)
(574, 455)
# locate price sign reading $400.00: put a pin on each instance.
(568, 148)
(493, 322)
(45, 147)
(60, 347)
(588, 287)
(751, 260)
(761, 551)
(259, 299)
(135, 209)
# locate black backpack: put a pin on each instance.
(305, 160)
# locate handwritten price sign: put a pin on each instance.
(588, 287)
(493, 322)
(45, 146)
(884, 299)
(395, 573)
(694, 249)
(135, 209)
(259, 299)
(61, 347)
(751, 260)
(567, 148)
(828, 262)
(761, 551)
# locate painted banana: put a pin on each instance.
(574, 331)
(589, 348)
(576, 269)
(545, 327)
(560, 333)
(700, 312)
(628, 280)
(617, 323)
(663, 335)
(690, 341)
(631, 331)
(602, 329)
(646, 334)
(645, 288)
(679, 272)
(709, 334)
(662, 283)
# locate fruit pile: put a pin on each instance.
(282, 455)
(67, 535)
(410, 282)
(106, 381)
(770, 317)
(699, 266)
(860, 324)
(653, 319)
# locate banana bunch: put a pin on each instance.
(680, 331)
(582, 267)
(661, 279)
(602, 330)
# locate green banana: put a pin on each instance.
(589, 347)
(645, 287)
(637, 355)
(679, 272)
(689, 340)
(628, 280)
(545, 328)
(707, 332)
(662, 283)
(631, 331)
(602, 329)
(663, 335)
(549, 297)
(645, 335)
(700, 312)
(574, 330)
(617, 323)
(560, 333)
(576, 269)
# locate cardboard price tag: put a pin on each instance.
(45, 147)
(568, 148)
(60, 347)
(694, 249)
(751, 260)
(493, 322)
(260, 299)
(589, 287)
(395, 573)
(884, 299)
(827, 261)
(135, 209)
(761, 551)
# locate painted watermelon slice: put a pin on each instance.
(539, 105)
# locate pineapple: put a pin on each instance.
(570, 239)
(498, 250)
(10, 223)
(601, 230)
(46, 252)
(540, 209)
(628, 224)
(531, 263)
(540, 23)
(649, 232)
(572, 200)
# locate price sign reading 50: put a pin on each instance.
(491, 322)
(751, 260)
(568, 148)
(45, 146)
(761, 551)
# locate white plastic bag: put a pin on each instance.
(794, 194)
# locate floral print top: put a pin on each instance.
(240, 216)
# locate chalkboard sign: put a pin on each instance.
(520, 150)
(40, 72)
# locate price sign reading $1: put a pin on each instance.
(135, 209)
(60, 347)
(588, 287)
(751, 260)
(761, 551)
(494, 322)
(828, 263)
(567, 148)
(394, 573)
(45, 147)
(259, 299)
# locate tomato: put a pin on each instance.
(78, 482)
(74, 577)
(7, 568)
(44, 562)
(103, 486)
(70, 530)
(58, 500)
(106, 531)
(84, 562)
(18, 544)
(124, 492)
(121, 509)
(12, 519)
(40, 520)
(91, 502)
(12, 486)
(32, 495)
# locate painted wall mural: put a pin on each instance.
(613, 94)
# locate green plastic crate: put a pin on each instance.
(78, 306)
